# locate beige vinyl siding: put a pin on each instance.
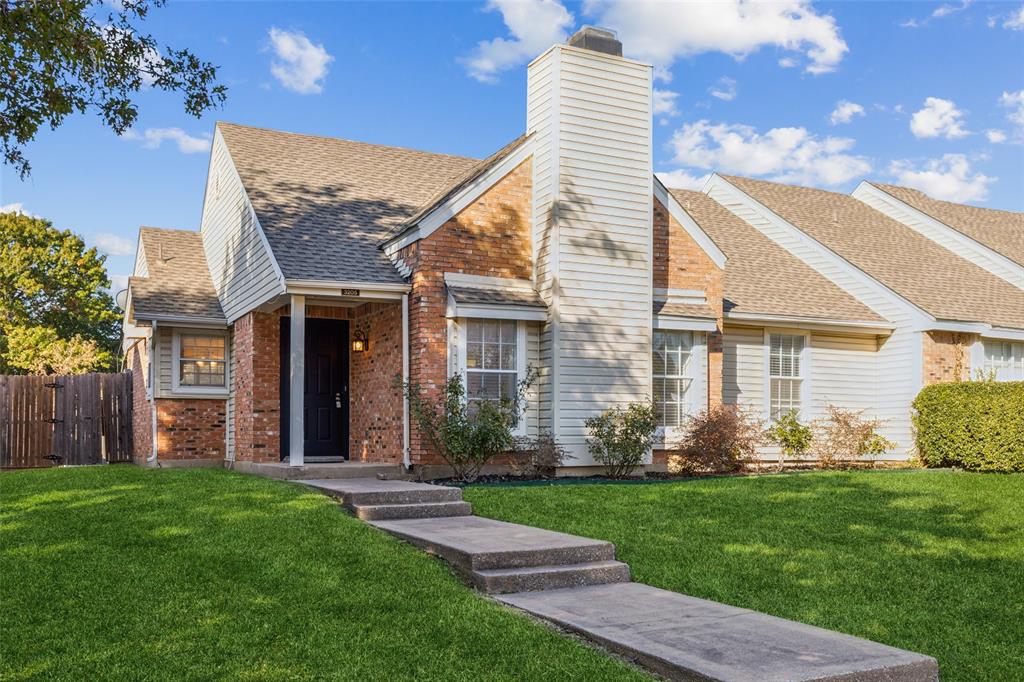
(743, 368)
(141, 266)
(541, 96)
(240, 263)
(941, 234)
(592, 215)
(899, 363)
(844, 372)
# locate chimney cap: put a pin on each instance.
(597, 40)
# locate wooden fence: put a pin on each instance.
(52, 420)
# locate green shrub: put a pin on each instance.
(466, 433)
(976, 425)
(789, 434)
(620, 437)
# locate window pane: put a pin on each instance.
(492, 353)
(508, 356)
(658, 360)
(491, 331)
(508, 331)
(474, 330)
(474, 355)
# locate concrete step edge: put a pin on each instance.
(411, 510)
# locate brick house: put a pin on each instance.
(327, 271)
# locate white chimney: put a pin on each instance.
(590, 111)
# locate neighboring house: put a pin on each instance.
(326, 271)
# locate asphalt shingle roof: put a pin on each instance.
(1001, 231)
(935, 279)
(701, 310)
(518, 296)
(326, 203)
(763, 278)
(178, 284)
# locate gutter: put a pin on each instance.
(152, 394)
(862, 326)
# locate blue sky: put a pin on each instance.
(823, 94)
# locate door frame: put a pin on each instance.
(344, 420)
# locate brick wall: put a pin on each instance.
(680, 263)
(375, 397)
(490, 237)
(142, 413)
(190, 429)
(256, 381)
(375, 407)
(947, 356)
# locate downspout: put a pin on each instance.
(406, 461)
(153, 357)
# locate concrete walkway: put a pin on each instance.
(577, 584)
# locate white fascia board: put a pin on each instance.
(181, 320)
(458, 279)
(868, 327)
(454, 205)
(367, 290)
(494, 312)
(980, 328)
(972, 250)
(684, 323)
(716, 181)
(698, 235)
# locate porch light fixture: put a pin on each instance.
(359, 341)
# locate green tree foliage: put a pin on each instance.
(59, 57)
(53, 299)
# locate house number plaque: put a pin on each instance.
(350, 292)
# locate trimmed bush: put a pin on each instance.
(976, 425)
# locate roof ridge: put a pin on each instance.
(344, 139)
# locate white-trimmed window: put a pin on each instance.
(786, 373)
(673, 368)
(1004, 360)
(491, 356)
(492, 371)
(200, 361)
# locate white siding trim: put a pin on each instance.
(946, 236)
(684, 323)
(698, 235)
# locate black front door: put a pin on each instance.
(326, 394)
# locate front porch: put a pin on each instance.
(317, 384)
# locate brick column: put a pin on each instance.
(256, 347)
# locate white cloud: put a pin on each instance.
(665, 102)
(995, 136)
(1014, 20)
(938, 13)
(152, 138)
(300, 65)
(681, 179)
(783, 154)
(788, 62)
(938, 118)
(114, 245)
(17, 208)
(1014, 101)
(949, 178)
(533, 25)
(726, 89)
(661, 32)
(845, 111)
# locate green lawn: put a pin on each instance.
(931, 561)
(123, 573)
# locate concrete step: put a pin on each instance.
(371, 491)
(536, 578)
(421, 510)
(686, 638)
(471, 543)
